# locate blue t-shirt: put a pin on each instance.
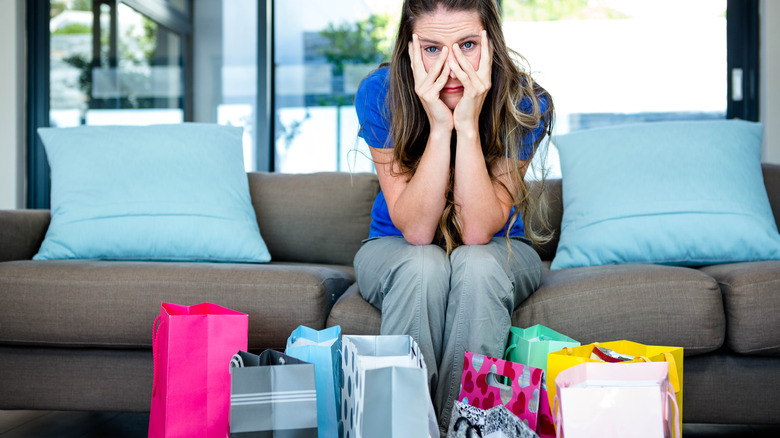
(374, 124)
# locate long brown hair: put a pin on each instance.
(502, 126)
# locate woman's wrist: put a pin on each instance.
(467, 131)
(441, 133)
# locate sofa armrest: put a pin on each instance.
(772, 183)
(21, 233)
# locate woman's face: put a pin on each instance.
(444, 27)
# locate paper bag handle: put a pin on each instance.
(509, 349)
(236, 361)
(674, 378)
(155, 331)
(471, 430)
(558, 417)
(676, 413)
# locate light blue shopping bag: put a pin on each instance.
(323, 349)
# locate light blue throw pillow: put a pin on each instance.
(673, 193)
(161, 192)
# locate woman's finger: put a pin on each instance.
(422, 78)
(464, 63)
(414, 57)
(457, 68)
(485, 56)
(442, 79)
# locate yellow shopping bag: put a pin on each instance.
(568, 357)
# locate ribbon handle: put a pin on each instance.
(556, 407)
(676, 413)
(509, 349)
(155, 352)
(236, 361)
(674, 378)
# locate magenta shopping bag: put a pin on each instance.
(192, 349)
(482, 387)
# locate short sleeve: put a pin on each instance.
(534, 136)
(370, 107)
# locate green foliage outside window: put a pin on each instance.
(362, 42)
(553, 10)
(73, 29)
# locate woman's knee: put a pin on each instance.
(426, 265)
(477, 262)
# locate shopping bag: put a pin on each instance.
(530, 347)
(323, 350)
(192, 347)
(616, 400)
(497, 422)
(384, 389)
(482, 387)
(597, 352)
(272, 395)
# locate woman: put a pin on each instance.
(452, 124)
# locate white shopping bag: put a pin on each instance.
(616, 400)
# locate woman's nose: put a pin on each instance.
(451, 59)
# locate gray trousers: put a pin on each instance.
(449, 305)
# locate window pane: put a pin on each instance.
(133, 77)
(322, 51)
(225, 67)
(623, 61)
(70, 62)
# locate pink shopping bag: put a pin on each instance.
(192, 348)
(482, 387)
(616, 400)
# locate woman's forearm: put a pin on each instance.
(418, 208)
(481, 211)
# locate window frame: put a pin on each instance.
(38, 194)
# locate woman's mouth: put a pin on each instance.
(457, 89)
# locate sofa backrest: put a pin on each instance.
(313, 218)
(323, 217)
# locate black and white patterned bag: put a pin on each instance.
(498, 422)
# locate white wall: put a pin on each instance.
(12, 92)
(770, 79)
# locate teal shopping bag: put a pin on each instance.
(530, 347)
(323, 349)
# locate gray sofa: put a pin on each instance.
(76, 335)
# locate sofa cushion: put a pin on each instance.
(651, 304)
(674, 193)
(314, 218)
(751, 298)
(114, 304)
(354, 314)
(161, 192)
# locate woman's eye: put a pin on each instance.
(467, 45)
(431, 49)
